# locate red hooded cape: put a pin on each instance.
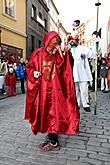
(51, 104)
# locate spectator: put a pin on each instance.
(11, 82)
(103, 75)
(3, 72)
(21, 73)
(108, 64)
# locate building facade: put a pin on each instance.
(53, 16)
(81, 33)
(37, 24)
(63, 34)
(103, 23)
(13, 29)
(55, 23)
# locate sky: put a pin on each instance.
(71, 10)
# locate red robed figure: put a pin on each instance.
(51, 105)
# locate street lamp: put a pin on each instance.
(97, 47)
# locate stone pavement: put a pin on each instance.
(19, 147)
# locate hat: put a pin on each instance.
(70, 38)
(76, 37)
(103, 59)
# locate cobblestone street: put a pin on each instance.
(18, 146)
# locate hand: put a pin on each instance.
(58, 47)
(37, 74)
(83, 56)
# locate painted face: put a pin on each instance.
(54, 43)
(21, 60)
(73, 42)
(103, 62)
(11, 70)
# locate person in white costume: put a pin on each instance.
(81, 71)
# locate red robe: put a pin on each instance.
(10, 79)
(51, 104)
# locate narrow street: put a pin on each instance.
(19, 147)
(44, 31)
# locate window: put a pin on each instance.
(33, 12)
(39, 43)
(40, 15)
(32, 42)
(45, 24)
(10, 7)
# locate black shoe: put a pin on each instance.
(106, 91)
(87, 109)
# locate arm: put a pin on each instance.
(33, 85)
(33, 76)
(59, 58)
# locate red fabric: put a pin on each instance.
(11, 90)
(47, 38)
(73, 38)
(70, 38)
(76, 37)
(10, 79)
(108, 63)
(51, 104)
(109, 78)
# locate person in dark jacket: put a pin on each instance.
(103, 75)
(21, 73)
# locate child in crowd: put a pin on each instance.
(11, 82)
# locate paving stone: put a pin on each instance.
(90, 161)
(76, 163)
(18, 146)
(104, 158)
(97, 149)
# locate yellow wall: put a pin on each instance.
(14, 30)
(12, 39)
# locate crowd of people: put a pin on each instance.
(103, 74)
(10, 72)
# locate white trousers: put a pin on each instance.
(104, 84)
(82, 93)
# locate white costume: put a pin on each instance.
(82, 73)
(3, 72)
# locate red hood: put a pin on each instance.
(47, 38)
